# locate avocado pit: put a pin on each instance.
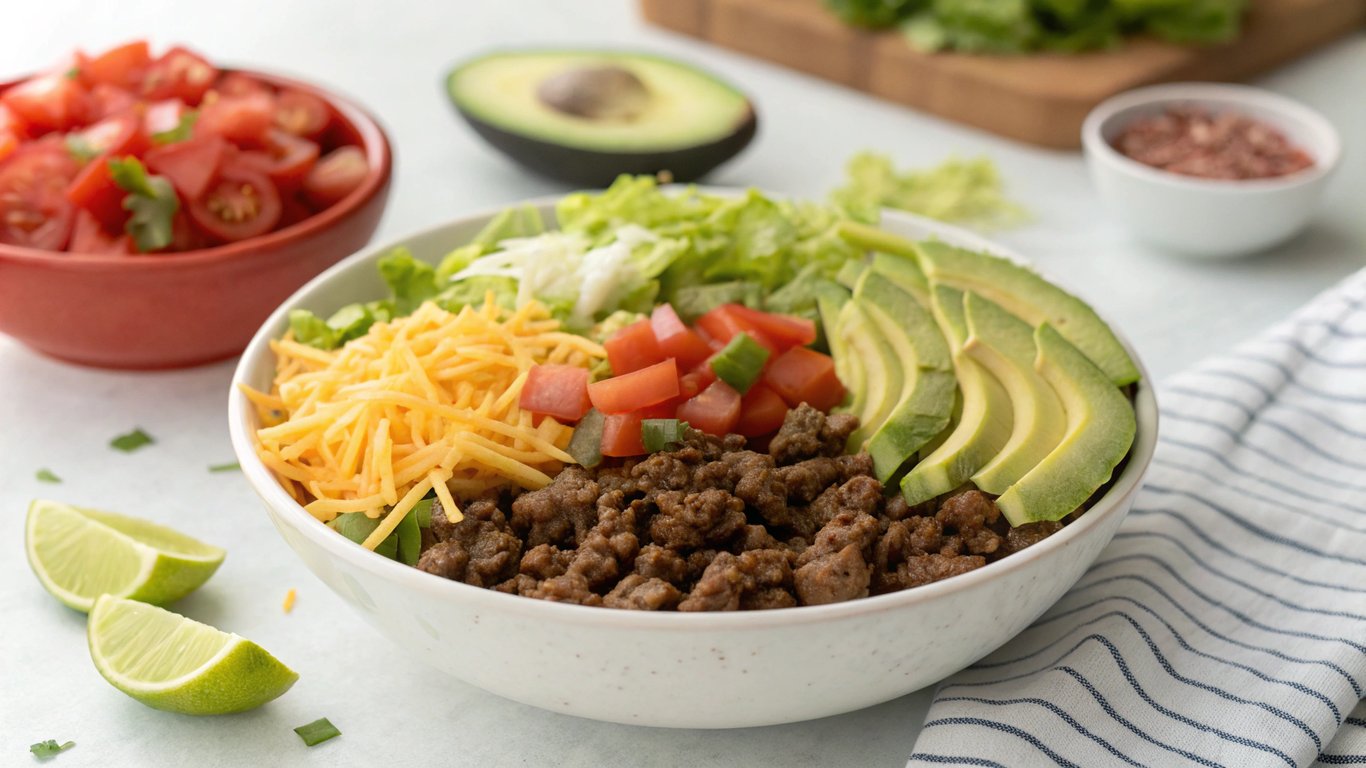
(605, 92)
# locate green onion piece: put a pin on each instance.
(662, 434)
(50, 748)
(422, 512)
(317, 732)
(180, 132)
(233, 467)
(409, 535)
(131, 441)
(80, 148)
(46, 475)
(586, 444)
(740, 362)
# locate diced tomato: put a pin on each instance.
(556, 390)
(636, 390)
(34, 211)
(722, 323)
(784, 330)
(118, 135)
(240, 119)
(124, 66)
(335, 176)
(761, 411)
(802, 375)
(238, 84)
(632, 348)
(676, 339)
(716, 410)
(93, 190)
(108, 101)
(90, 236)
(185, 236)
(240, 203)
(189, 165)
(8, 143)
(693, 382)
(302, 114)
(11, 123)
(293, 211)
(179, 74)
(621, 435)
(52, 102)
(163, 116)
(287, 159)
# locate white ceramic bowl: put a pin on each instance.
(675, 669)
(1202, 217)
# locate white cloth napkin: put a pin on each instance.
(1226, 623)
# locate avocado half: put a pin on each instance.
(586, 117)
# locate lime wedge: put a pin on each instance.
(80, 554)
(169, 662)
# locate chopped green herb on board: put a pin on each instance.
(46, 475)
(317, 732)
(233, 467)
(45, 750)
(131, 441)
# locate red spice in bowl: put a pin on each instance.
(1195, 142)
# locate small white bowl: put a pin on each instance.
(688, 670)
(1203, 217)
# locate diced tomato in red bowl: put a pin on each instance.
(112, 307)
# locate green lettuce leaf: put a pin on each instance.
(962, 191)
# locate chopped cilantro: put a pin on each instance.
(46, 475)
(317, 731)
(73, 73)
(80, 148)
(50, 748)
(233, 467)
(131, 441)
(180, 132)
(152, 201)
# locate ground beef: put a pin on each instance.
(717, 526)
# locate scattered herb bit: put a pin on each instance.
(73, 73)
(233, 467)
(586, 444)
(44, 750)
(740, 362)
(662, 434)
(152, 201)
(46, 475)
(964, 191)
(317, 732)
(290, 597)
(180, 132)
(81, 148)
(131, 441)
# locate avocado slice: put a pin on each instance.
(985, 420)
(1004, 345)
(872, 368)
(1031, 298)
(1100, 431)
(905, 273)
(922, 404)
(829, 304)
(588, 116)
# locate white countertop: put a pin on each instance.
(391, 56)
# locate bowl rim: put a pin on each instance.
(289, 512)
(378, 154)
(1327, 153)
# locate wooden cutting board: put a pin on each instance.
(1041, 99)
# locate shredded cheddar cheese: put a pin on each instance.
(289, 600)
(427, 402)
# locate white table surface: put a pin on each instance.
(391, 56)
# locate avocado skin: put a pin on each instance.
(598, 169)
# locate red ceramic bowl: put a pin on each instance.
(183, 309)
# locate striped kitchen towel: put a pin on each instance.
(1226, 623)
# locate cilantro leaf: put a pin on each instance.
(46, 475)
(317, 731)
(233, 467)
(180, 132)
(152, 201)
(80, 148)
(44, 750)
(72, 74)
(132, 441)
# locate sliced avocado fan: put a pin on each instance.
(984, 424)
(905, 273)
(1100, 430)
(924, 399)
(870, 370)
(1004, 345)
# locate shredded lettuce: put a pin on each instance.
(963, 191)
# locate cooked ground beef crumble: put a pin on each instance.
(712, 526)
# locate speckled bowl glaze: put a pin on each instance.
(670, 669)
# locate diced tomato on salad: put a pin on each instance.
(739, 370)
(217, 156)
